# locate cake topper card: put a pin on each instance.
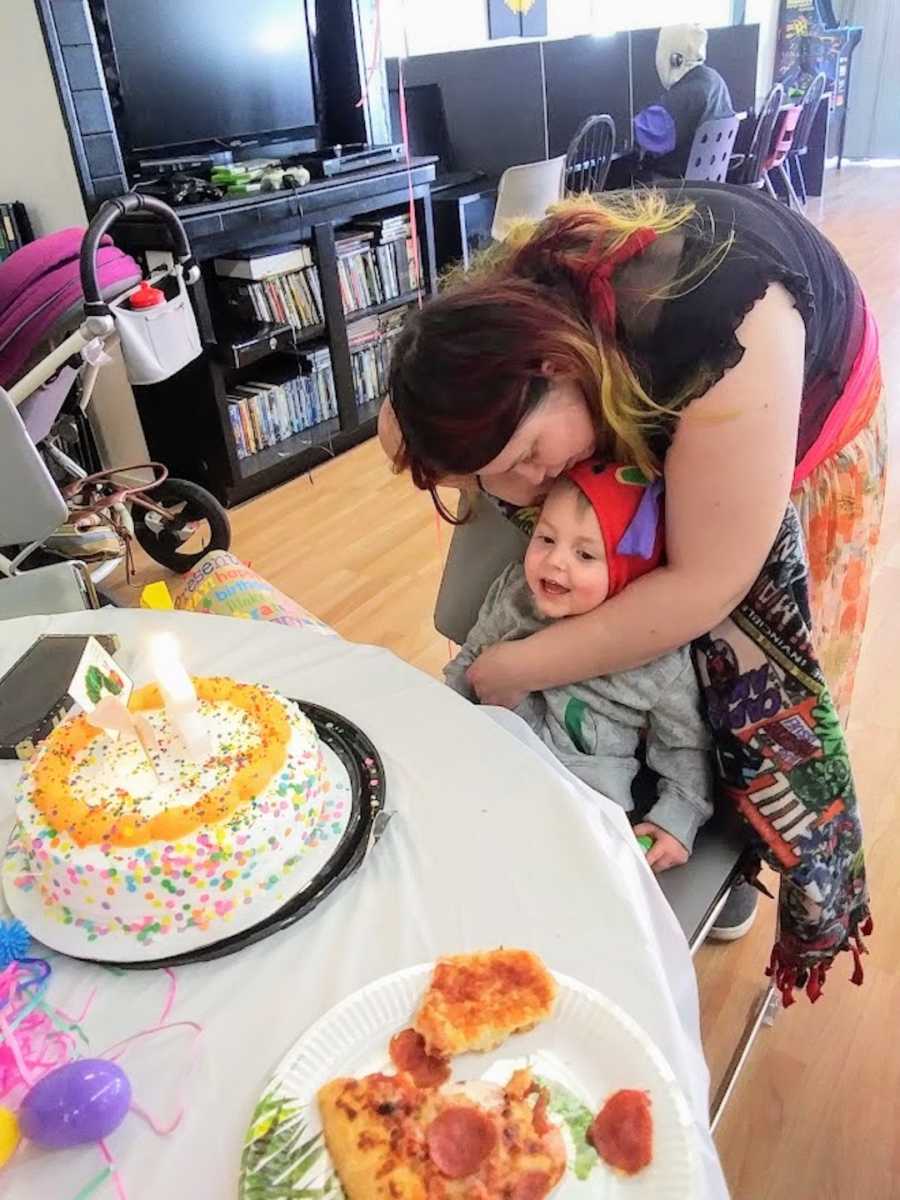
(97, 676)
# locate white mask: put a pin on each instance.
(680, 48)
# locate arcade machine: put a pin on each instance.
(810, 40)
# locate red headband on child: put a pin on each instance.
(629, 515)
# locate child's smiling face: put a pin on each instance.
(565, 564)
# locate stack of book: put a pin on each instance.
(280, 286)
(376, 262)
(15, 229)
(371, 344)
(265, 412)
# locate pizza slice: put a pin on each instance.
(374, 1136)
(475, 1001)
(389, 1140)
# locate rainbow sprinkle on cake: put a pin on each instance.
(113, 843)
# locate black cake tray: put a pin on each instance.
(366, 824)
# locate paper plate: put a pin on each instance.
(355, 797)
(588, 1049)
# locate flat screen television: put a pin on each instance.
(207, 73)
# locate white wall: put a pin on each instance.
(568, 18)
(764, 13)
(36, 167)
(35, 160)
(428, 26)
(873, 114)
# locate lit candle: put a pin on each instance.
(179, 696)
(114, 718)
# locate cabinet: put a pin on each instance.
(187, 419)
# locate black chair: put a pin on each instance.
(795, 181)
(753, 170)
(711, 149)
(589, 155)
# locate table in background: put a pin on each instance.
(489, 845)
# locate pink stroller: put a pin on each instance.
(65, 300)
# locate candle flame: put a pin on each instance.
(168, 669)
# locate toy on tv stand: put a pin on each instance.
(357, 156)
(256, 176)
(180, 188)
(259, 175)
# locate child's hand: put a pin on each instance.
(666, 850)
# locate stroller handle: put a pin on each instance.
(104, 218)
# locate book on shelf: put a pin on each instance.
(15, 228)
(376, 262)
(283, 288)
(371, 344)
(264, 261)
(238, 433)
(263, 413)
(321, 389)
(384, 229)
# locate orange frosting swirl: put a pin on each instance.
(87, 825)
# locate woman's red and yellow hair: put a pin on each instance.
(472, 363)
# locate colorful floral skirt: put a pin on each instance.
(840, 505)
(777, 678)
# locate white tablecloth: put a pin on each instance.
(489, 845)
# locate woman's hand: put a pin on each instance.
(666, 850)
(494, 675)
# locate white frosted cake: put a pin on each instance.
(114, 844)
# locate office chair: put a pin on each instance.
(589, 155)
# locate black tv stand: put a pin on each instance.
(186, 418)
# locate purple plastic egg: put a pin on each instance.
(82, 1101)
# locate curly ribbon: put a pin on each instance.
(93, 1185)
(163, 1025)
(35, 1039)
(114, 1172)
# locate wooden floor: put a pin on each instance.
(816, 1113)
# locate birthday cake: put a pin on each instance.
(148, 841)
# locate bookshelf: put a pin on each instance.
(278, 390)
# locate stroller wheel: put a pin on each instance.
(198, 523)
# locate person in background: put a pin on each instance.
(694, 93)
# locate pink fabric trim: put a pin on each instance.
(853, 393)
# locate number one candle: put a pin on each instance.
(178, 694)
